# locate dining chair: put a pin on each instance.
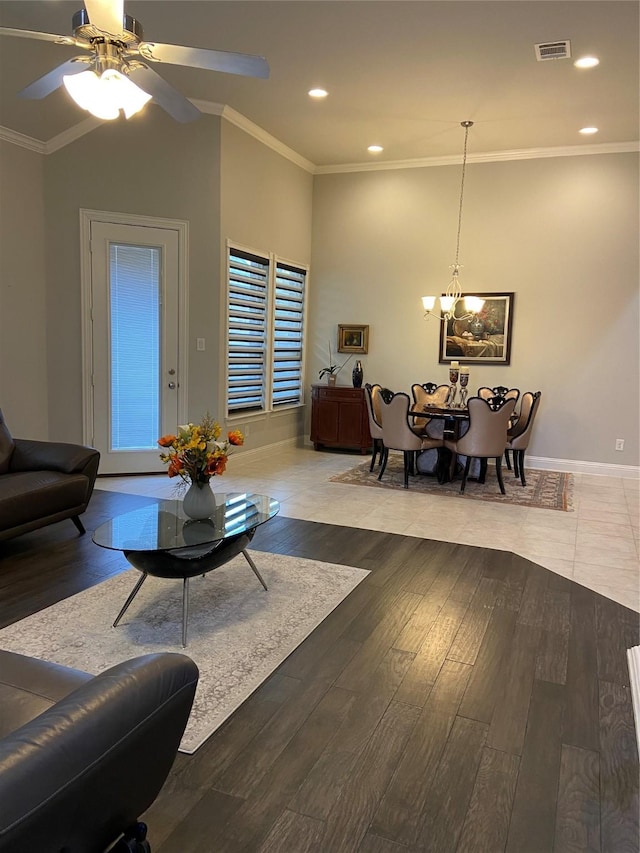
(519, 435)
(486, 437)
(398, 435)
(427, 394)
(499, 391)
(372, 396)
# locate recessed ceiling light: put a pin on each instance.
(588, 130)
(318, 93)
(375, 149)
(587, 62)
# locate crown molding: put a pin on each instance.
(267, 139)
(73, 133)
(248, 126)
(22, 141)
(487, 157)
(253, 129)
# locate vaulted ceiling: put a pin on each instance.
(399, 74)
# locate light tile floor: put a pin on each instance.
(596, 545)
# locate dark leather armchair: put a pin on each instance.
(81, 756)
(42, 482)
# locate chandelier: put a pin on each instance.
(453, 293)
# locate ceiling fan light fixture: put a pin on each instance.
(106, 95)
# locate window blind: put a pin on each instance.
(248, 283)
(287, 343)
(135, 346)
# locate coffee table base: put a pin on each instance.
(185, 563)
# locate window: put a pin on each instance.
(134, 292)
(265, 343)
(286, 387)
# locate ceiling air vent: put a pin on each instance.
(553, 50)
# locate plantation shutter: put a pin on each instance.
(288, 328)
(248, 282)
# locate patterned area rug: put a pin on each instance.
(544, 489)
(238, 633)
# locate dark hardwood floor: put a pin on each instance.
(460, 699)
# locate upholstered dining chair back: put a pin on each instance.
(396, 430)
(429, 394)
(397, 434)
(372, 397)
(520, 436)
(487, 434)
(376, 403)
(500, 391)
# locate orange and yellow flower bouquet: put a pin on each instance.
(196, 453)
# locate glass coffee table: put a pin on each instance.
(160, 540)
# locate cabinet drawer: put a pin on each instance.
(339, 393)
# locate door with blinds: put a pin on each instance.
(135, 354)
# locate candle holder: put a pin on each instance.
(464, 391)
(454, 374)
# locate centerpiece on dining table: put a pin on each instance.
(456, 372)
(196, 454)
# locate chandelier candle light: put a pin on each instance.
(453, 292)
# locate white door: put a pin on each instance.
(135, 329)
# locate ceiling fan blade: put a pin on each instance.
(32, 34)
(51, 81)
(211, 60)
(106, 15)
(163, 93)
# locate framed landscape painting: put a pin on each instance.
(482, 338)
(353, 338)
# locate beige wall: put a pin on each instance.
(23, 310)
(266, 204)
(561, 233)
(154, 167)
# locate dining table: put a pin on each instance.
(454, 419)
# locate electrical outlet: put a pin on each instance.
(619, 443)
(200, 344)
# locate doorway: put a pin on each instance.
(135, 307)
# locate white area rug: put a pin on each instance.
(238, 633)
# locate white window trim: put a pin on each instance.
(268, 409)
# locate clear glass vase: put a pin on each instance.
(199, 502)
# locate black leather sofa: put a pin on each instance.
(82, 756)
(42, 482)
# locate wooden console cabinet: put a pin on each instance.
(339, 417)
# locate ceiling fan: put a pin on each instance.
(112, 77)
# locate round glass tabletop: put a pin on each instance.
(164, 526)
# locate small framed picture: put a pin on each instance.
(353, 338)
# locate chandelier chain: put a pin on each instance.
(466, 125)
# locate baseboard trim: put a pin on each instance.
(575, 466)
(267, 449)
